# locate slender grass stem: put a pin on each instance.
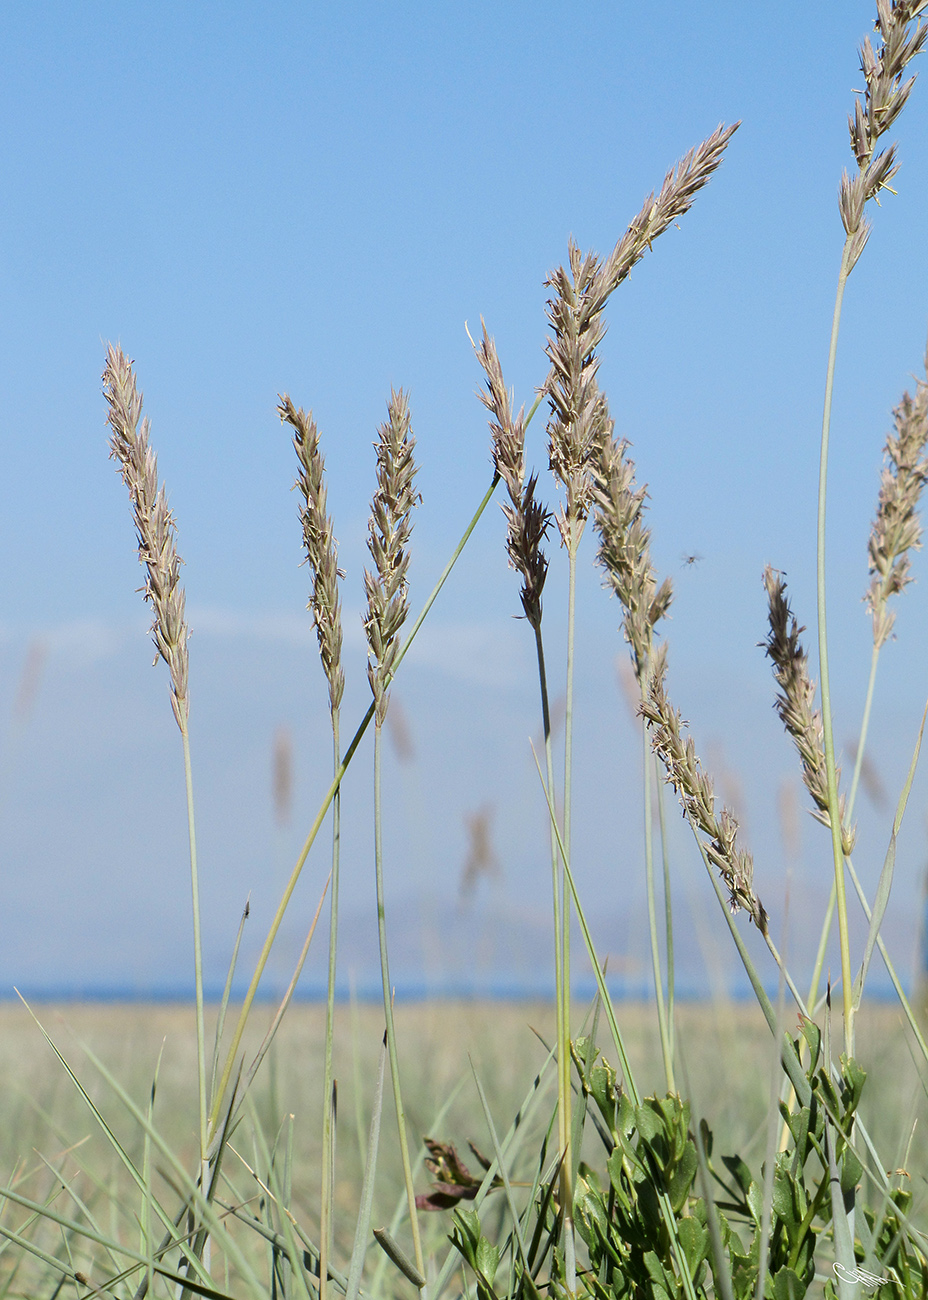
(670, 1223)
(564, 1010)
(197, 967)
(668, 904)
(827, 727)
(666, 1050)
(890, 969)
(568, 769)
(563, 1043)
(822, 947)
(864, 728)
(320, 817)
(851, 800)
(388, 1006)
(328, 1116)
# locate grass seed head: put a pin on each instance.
(897, 528)
(320, 546)
(527, 519)
(694, 788)
(579, 418)
(796, 698)
(154, 522)
(624, 551)
(579, 422)
(884, 97)
(389, 530)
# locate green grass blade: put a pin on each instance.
(886, 875)
(662, 1198)
(517, 1129)
(114, 1142)
(226, 994)
(363, 1225)
(501, 1164)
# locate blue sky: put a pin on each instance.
(315, 198)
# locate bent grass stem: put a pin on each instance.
(834, 812)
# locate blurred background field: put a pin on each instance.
(725, 1049)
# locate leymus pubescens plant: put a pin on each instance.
(154, 522)
(320, 546)
(322, 558)
(578, 426)
(579, 420)
(155, 528)
(389, 530)
(528, 522)
(884, 97)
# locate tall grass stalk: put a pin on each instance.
(156, 529)
(827, 727)
(666, 1213)
(322, 558)
(389, 530)
(663, 1010)
(668, 909)
(528, 522)
(885, 95)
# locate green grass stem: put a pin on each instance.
(197, 966)
(363, 1223)
(662, 1020)
(328, 1116)
(668, 901)
(864, 728)
(834, 812)
(388, 1007)
(503, 1171)
(667, 1214)
(563, 1039)
(224, 1002)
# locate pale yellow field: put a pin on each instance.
(726, 1052)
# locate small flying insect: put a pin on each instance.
(689, 560)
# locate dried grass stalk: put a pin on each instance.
(320, 546)
(694, 788)
(681, 185)
(897, 528)
(579, 416)
(795, 700)
(527, 519)
(579, 421)
(154, 523)
(389, 530)
(884, 98)
(624, 551)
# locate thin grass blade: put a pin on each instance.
(359, 1249)
(886, 875)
